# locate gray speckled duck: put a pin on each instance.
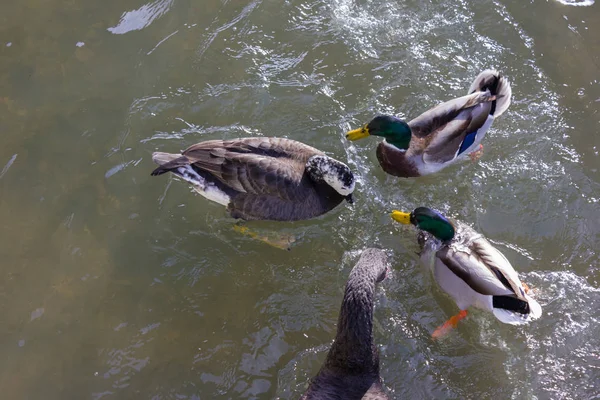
(262, 178)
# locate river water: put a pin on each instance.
(118, 285)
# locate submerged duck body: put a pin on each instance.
(469, 268)
(262, 178)
(441, 135)
(351, 369)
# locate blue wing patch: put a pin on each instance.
(469, 139)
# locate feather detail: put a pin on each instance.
(442, 130)
(445, 133)
(474, 273)
(498, 86)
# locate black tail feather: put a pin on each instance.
(168, 162)
(159, 171)
(511, 304)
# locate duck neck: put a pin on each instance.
(353, 348)
(399, 142)
(394, 161)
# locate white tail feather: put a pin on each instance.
(161, 158)
(206, 189)
(534, 307)
(503, 90)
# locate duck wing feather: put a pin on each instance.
(439, 132)
(483, 268)
(258, 166)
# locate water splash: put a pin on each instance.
(584, 3)
(8, 165)
(142, 17)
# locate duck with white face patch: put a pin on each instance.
(333, 172)
(262, 178)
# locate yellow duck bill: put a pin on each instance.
(357, 134)
(402, 217)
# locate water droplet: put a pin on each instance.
(37, 313)
(21, 342)
(80, 44)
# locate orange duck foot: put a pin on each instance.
(443, 330)
(476, 155)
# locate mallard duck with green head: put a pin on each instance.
(471, 270)
(442, 135)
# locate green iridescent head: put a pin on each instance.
(428, 220)
(394, 130)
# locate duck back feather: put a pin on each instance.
(498, 86)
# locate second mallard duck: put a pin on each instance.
(441, 135)
(470, 269)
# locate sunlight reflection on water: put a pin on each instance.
(142, 17)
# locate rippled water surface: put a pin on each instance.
(118, 285)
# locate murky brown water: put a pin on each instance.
(118, 285)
